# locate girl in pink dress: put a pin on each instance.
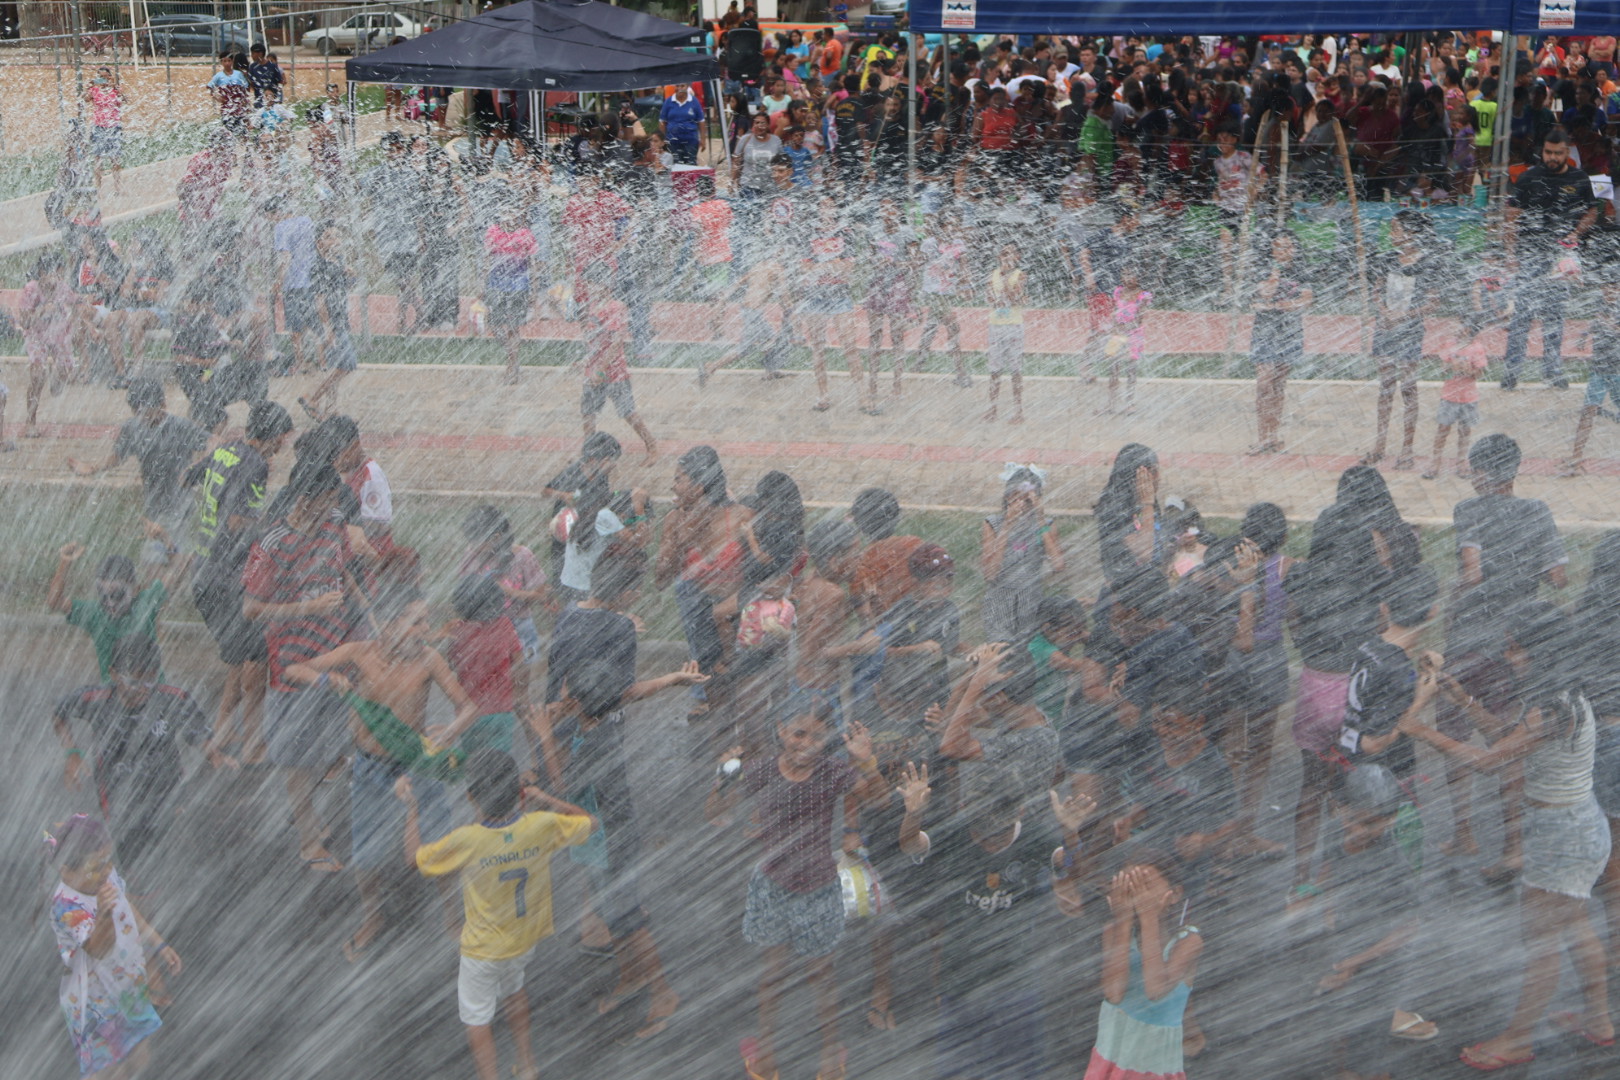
(1130, 301)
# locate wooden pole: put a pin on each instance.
(1355, 226)
(1282, 179)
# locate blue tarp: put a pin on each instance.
(1214, 16)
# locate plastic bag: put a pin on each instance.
(864, 895)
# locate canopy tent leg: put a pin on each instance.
(1502, 137)
(725, 122)
(945, 76)
(354, 114)
(911, 109)
(535, 119)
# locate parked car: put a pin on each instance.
(889, 7)
(193, 35)
(367, 30)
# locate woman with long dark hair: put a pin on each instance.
(1127, 513)
(700, 554)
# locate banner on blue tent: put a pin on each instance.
(1214, 16)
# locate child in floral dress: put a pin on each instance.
(104, 943)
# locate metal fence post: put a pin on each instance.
(292, 58)
(56, 66)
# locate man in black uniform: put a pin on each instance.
(1551, 208)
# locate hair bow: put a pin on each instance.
(1013, 468)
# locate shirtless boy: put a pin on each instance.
(395, 670)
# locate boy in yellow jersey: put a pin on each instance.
(505, 866)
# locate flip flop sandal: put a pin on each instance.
(1570, 1024)
(1475, 1058)
(838, 1072)
(1405, 1030)
(749, 1048)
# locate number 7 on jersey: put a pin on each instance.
(520, 903)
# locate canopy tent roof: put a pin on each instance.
(534, 45)
(1209, 16)
(631, 25)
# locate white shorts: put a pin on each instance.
(484, 984)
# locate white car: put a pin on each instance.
(366, 31)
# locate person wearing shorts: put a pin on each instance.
(943, 256)
(607, 373)
(809, 923)
(508, 310)
(306, 730)
(298, 310)
(107, 144)
(377, 820)
(826, 296)
(107, 102)
(1603, 382)
(1407, 281)
(596, 395)
(504, 864)
(795, 908)
(1005, 340)
(510, 248)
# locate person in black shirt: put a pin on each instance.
(230, 485)
(1393, 681)
(133, 724)
(1550, 211)
(265, 77)
(985, 875)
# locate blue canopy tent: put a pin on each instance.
(1210, 16)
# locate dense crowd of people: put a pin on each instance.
(1052, 175)
(955, 765)
(890, 761)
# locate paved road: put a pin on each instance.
(455, 429)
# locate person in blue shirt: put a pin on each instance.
(680, 120)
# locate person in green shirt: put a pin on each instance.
(1063, 625)
(118, 609)
(1097, 136)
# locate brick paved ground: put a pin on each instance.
(446, 428)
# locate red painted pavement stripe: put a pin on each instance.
(1051, 331)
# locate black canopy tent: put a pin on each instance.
(632, 25)
(535, 46)
(541, 48)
